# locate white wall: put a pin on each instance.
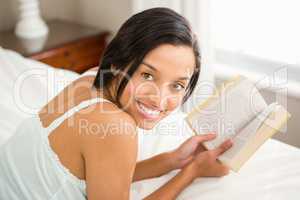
(292, 136)
(7, 14)
(49, 9)
(106, 15)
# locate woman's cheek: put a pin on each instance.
(174, 102)
(128, 95)
(130, 88)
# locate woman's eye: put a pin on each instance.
(178, 87)
(147, 76)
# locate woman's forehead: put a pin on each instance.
(178, 60)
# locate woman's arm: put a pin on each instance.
(155, 166)
(205, 164)
(173, 187)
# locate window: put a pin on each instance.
(266, 29)
(258, 35)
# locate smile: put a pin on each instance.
(148, 112)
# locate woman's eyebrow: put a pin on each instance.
(154, 69)
(150, 66)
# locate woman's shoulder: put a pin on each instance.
(107, 135)
(107, 112)
(106, 123)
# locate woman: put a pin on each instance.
(83, 143)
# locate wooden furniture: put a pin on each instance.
(68, 46)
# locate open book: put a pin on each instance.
(238, 111)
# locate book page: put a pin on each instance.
(271, 125)
(248, 132)
(228, 112)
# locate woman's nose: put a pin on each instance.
(157, 95)
(156, 102)
(160, 98)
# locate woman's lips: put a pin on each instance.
(146, 112)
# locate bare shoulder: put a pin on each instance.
(104, 125)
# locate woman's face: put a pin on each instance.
(158, 86)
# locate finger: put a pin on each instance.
(195, 142)
(200, 148)
(205, 137)
(223, 147)
(223, 170)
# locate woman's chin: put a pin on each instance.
(147, 125)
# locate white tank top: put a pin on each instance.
(31, 170)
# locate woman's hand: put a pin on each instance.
(165, 162)
(205, 164)
(187, 151)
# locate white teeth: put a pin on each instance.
(149, 111)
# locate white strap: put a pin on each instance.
(58, 121)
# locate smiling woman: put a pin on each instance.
(156, 89)
(83, 143)
(158, 45)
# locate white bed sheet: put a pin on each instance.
(272, 174)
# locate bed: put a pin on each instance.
(272, 174)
